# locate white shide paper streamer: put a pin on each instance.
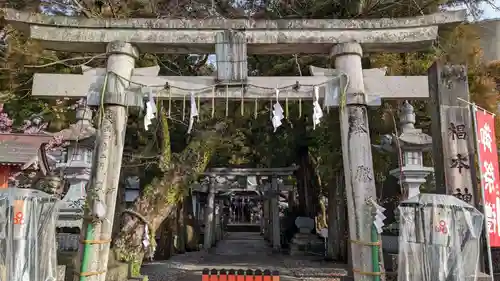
(277, 112)
(150, 109)
(192, 114)
(317, 112)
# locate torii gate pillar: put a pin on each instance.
(275, 215)
(108, 157)
(357, 156)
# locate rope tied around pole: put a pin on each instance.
(369, 244)
(148, 239)
(368, 273)
(359, 242)
(137, 215)
(99, 242)
(89, 273)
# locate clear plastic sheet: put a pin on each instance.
(27, 235)
(439, 239)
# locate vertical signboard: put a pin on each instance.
(456, 148)
(452, 132)
(488, 163)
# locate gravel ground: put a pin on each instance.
(173, 269)
(315, 269)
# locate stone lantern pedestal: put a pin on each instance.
(411, 178)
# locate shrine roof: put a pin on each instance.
(187, 36)
(17, 149)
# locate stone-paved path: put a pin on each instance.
(238, 250)
(241, 250)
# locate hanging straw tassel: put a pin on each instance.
(213, 102)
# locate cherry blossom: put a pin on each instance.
(5, 121)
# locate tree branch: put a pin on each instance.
(84, 11)
(88, 58)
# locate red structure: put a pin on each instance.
(239, 275)
(15, 150)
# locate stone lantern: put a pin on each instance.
(410, 144)
(75, 164)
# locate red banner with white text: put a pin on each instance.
(488, 163)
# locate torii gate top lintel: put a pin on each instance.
(286, 171)
(313, 36)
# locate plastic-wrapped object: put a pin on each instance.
(439, 239)
(27, 235)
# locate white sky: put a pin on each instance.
(490, 12)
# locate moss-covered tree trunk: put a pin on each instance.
(308, 182)
(164, 248)
(159, 200)
(191, 225)
(339, 240)
(181, 228)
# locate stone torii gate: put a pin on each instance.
(121, 40)
(270, 216)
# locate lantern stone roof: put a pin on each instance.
(411, 136)
(16, 148)
(82, 130)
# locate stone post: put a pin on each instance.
(109, 151)
(215, 223)
(276, 229)
(357, 156)
(452, 132)
(218, 220)
(200, 214)
(262, 221)
(266, 212)
(222, 219)
(209, 215)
